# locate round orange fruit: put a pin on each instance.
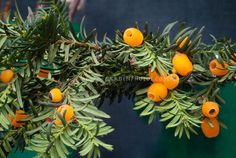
(157, 92)
(156, 78)
(7, 76)
(56, 95)
(133, 37)
(19, 115)
(182, 64)
(210, 109)
(210, 127)
(68, 116)
(217, 68)
(171, 81)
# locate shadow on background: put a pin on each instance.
(133, 138)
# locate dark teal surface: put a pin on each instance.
(18, 154)
(200, 147)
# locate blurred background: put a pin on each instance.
(132, 137)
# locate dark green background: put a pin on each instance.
(133, 138)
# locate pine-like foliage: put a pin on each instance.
(88, 71)
(46, 40)
(182, 108)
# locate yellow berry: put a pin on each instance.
(157, 92)
(56, 95)
(133, 37)
(69, 114)
(7, 76)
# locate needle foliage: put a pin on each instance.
(88, 71)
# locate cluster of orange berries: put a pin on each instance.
(210, 125)
(161, 84)
(215, 67)
(7, 76)
(156, 92)
(55, 96)
(181, 63)
(182, 66)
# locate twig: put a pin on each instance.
(78, 44)
(50, 104)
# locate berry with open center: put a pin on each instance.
(133, 37)
(217, 69)
(56, 95)
(210, 109)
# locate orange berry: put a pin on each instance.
(133, 37)
(69, 114)
(210, 127)
(56, 95)
(156, 78)
(20, 115)
(210, 109)
(43, 73)
(157, 92)
(182, 64)
(7, 76)
(183, 42)
(217, 68)
(171, 81)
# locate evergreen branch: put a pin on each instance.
(180, 112)
(177, 109)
